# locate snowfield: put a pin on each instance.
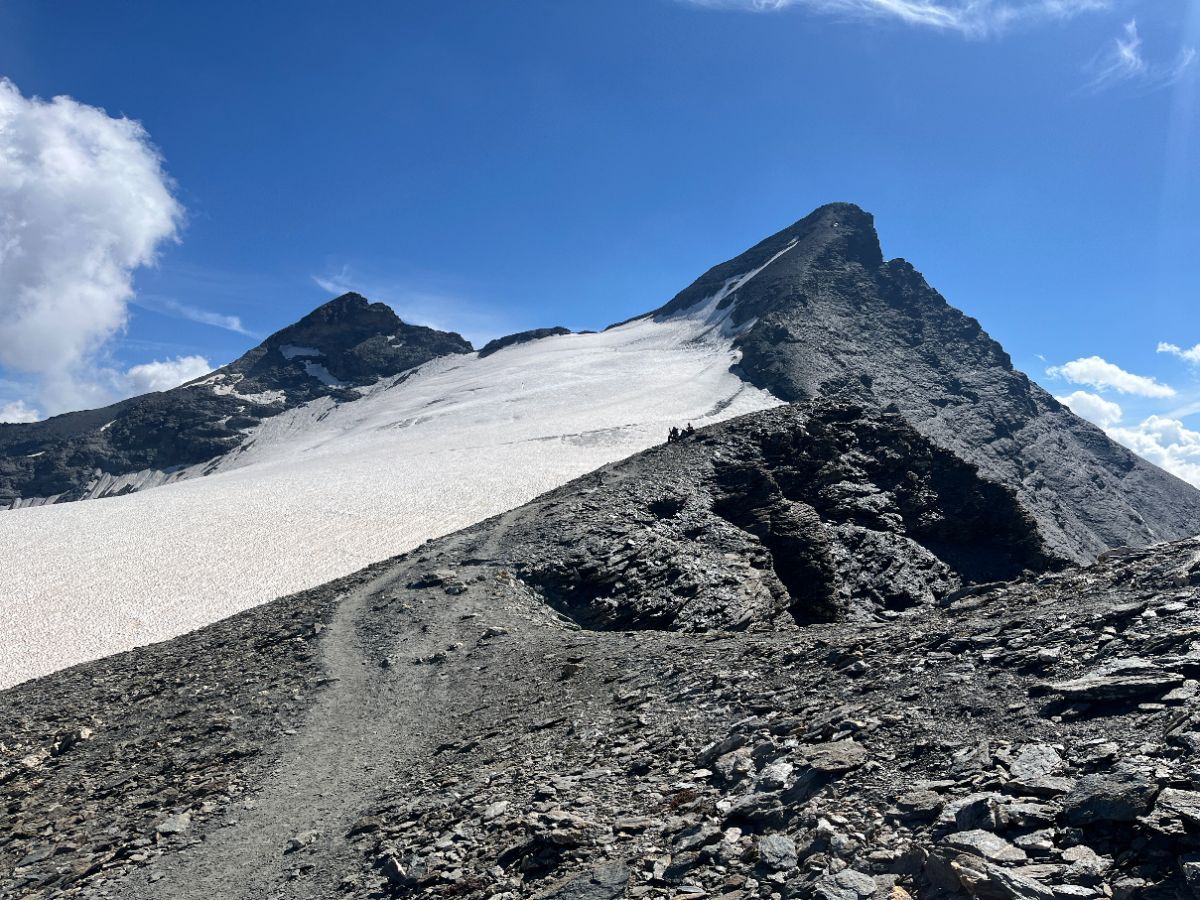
(326, 489)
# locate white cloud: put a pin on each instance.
(1124, 60)
(1167, 443)
(1191, 354)
(974, 18)
(17, 411)
(1098, 373)
(107, 384)
(84, 202)
(1093, 407)
(162, 375)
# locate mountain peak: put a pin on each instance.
(841, 231)
(831, 237)
(349, 308)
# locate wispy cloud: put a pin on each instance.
(973, 18)
(174, 308)
(1123, 60)
(1190, 354)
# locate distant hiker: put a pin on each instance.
(673, 435)
(689, 431)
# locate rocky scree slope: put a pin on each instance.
(829, 317)
(346, 343)
(442, 724)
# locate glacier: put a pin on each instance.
(327, 488)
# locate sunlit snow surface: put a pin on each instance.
(325, 489)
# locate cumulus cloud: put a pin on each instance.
(974, 18)
(17, 411)
(162, 375)
(1099, 373)
(1190, 354)
(1167, 443)
(84, 202)
(1093, 407)
(1124, 60)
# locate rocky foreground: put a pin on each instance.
(670, 678)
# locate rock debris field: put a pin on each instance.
(492, 715)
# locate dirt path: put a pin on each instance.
(330, 770)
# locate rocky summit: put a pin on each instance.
(805, 653)
(827, 316)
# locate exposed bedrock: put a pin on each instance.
(814, 512)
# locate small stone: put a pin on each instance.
(302, 840)
(919, 805)
(1189, 866)
(495, 810)
(1036, 761)
(178, 824)
(1117, 797)
(847, 884)
(991, 882)
(986, 845)
(1125, 680)
(1177, 804)
(835, 757)
(776, 776)
(777, 852)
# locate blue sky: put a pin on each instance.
(490, 166)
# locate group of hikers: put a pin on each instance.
(676, 435)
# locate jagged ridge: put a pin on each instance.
(828, 317)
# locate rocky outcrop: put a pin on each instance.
(344, 344)
(520, 337)
(827, 316)
(815, 512)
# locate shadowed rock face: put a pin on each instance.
(816, 512)
(440, 725)
(831, 318)
(352, 343)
